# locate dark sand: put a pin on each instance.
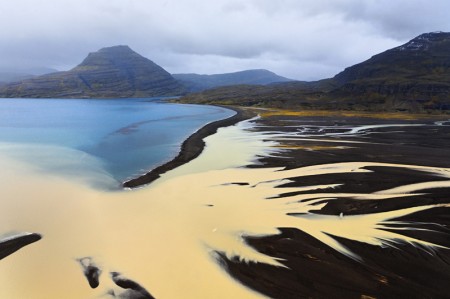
(191, 147)
(315, 270)
(318, 271)
(11, 244)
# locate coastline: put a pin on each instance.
(326, 198)
(326, 142)
(191, 148)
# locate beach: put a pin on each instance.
(160, 237)
(281, 206)
(191, 148)
(390, 149)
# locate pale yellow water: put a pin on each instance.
(164, 236)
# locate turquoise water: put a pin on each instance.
(128, 136)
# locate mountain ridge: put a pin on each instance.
(199, 82)
(413, 77)
(110, 72)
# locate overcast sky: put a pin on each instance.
(300, 39)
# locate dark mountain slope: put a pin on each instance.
(195, 82)
(425, 57)
(111, 72)
(414, 77)
(277, 95)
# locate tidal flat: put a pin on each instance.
(280, 206)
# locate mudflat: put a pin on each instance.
(290, 205)
(396, 154)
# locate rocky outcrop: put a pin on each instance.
(12, 243)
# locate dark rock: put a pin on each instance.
(91, 271)
(10, 244)
(134, 290)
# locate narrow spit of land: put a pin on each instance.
(191, 148)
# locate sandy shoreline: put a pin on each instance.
(191, 148)
(334, 140)
(160, 237)
(333, 207)
(403, 270)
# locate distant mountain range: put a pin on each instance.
(413, 77)
(195, 82)
(118, 72)
(112, 72)
(7, 76)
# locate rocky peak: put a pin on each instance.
(116, 55)
(424, 41)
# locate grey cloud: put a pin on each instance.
(401, 19)
(303, 39)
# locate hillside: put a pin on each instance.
(12, 75)
(108, 73)
(413, 77)
(276, 95)
(195, 82)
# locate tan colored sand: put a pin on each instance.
(164, 236)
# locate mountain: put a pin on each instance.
(108, 73)
(195, 82)
(414, 77)
(425, 57)
(12, 75)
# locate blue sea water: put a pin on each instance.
(129, 136)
